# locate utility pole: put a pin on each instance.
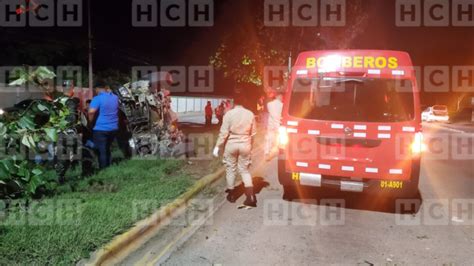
(91, 76)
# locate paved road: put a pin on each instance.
(466, 127)
(366, 231)
(194, 118)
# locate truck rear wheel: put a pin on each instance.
(410, 190)
(283, 177)
(289, 192)
(289, 186)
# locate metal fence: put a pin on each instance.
(185, 104)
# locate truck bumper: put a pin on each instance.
(347, 183)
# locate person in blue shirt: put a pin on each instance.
(104, 109)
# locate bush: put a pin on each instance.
(26, 133)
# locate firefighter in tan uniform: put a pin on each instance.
(238, 129)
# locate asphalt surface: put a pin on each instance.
(355, 228)
(197, 119)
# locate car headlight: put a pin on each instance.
(418, 145)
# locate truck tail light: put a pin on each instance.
(282, 137)
(418, 145)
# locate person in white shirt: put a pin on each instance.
(274, 109)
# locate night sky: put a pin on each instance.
(115, 37)
(118, 45)
(427, 45)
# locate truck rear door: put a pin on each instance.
(351, 127)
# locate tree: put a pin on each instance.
(31, 128)
(113, 77)
(247, 49)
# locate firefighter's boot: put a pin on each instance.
(231, 197)
(251, 200)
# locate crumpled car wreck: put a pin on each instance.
(149, 119)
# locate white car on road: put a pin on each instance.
(436, 113)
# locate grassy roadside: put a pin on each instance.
(66, 228)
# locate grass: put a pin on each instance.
(65, 228)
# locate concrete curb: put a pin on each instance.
(185, 234)
(144, 227)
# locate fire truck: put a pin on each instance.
(351, 121)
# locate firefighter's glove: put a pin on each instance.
(216, 152)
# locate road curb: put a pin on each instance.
(142, 228)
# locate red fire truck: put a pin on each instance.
(351, 120)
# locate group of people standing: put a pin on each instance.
(236, 137)
(219, 111)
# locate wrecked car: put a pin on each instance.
(150, 121)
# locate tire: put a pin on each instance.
(289, 186)
(289, 193)
(283, 177)
(410, 190)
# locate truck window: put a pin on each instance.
(352, 99)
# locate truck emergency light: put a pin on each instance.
(418, 146)
(282, 137)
